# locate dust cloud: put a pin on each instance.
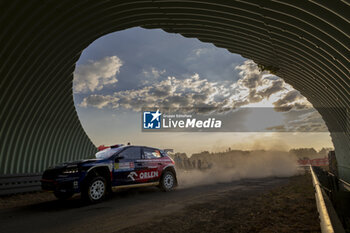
(238, 165)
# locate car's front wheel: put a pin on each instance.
(168, 181)
(95, 190)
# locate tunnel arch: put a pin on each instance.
(307, 43)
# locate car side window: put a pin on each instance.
(151, 153)
(131, 153)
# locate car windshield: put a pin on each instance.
(106, 153)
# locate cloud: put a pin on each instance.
(252, 77)
(261, 85)
(291, 100)
(96, 74)
(195, 92)
(153, 73)
(98, 101)
(200, 94)
(274, 87)
(307, 121)
(171, 92)
(200, 51)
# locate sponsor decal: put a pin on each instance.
(147, 175)
(143, 175)
(132, 176)
(124, 166)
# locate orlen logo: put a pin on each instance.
(143, 175)
(152, 120)
(146, 175)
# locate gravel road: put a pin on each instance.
(254, 205)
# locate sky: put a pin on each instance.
(122, 72)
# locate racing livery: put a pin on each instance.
(114, 167)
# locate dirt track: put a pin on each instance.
(255, 205)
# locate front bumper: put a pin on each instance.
(70, 185)
(55, 180)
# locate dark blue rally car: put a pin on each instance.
(114, 167)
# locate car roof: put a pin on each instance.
(127, 146)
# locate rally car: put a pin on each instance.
(114, 167)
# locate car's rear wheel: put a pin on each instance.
(95, 189)
(168, 181)
(63, 195)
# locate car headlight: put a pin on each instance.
(71, 170)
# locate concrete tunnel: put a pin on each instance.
(307, 43)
